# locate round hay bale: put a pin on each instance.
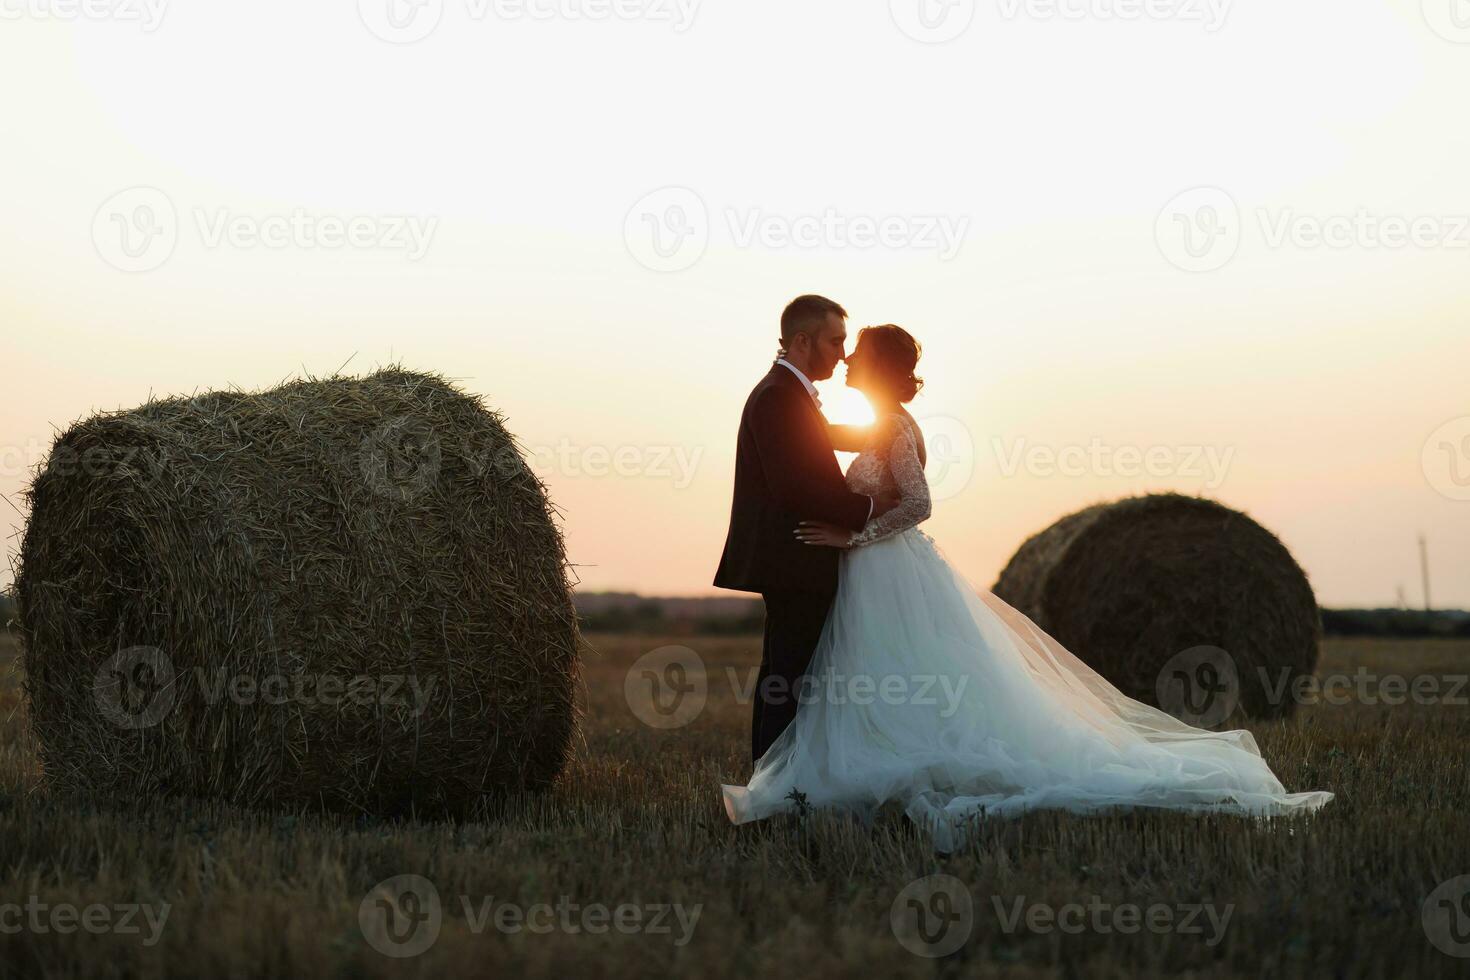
(347, 593)
(1154, 590)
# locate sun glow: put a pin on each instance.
(843, 405)
(538, 275)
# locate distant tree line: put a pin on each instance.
(654, 616)
(650, 618)
(1396, 622)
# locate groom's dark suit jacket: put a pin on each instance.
(785, 472)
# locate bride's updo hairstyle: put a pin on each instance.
(894, 354)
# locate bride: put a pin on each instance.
(926, 691)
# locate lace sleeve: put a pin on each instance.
(908, 472)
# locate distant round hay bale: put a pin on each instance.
(1153, 589)
(347, 593)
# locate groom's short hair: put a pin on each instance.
(805, 314)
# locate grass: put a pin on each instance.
(637, 820)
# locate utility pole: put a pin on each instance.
(1424, 570)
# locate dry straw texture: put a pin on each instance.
(1129, 585)
(348, 593)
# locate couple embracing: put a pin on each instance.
(885, 676)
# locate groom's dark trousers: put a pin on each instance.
(794, 622)
(785, 472)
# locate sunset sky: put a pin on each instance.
(1215, 248)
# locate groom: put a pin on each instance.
(785, 472)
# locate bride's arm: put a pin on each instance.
(849, 438)
(914, 505)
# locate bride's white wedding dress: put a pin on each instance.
(929, 692)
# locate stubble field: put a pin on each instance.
(629, 868)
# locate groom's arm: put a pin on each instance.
(849, 438)
(802, 477)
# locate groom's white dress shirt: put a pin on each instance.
(806, 382)
(811, 389)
